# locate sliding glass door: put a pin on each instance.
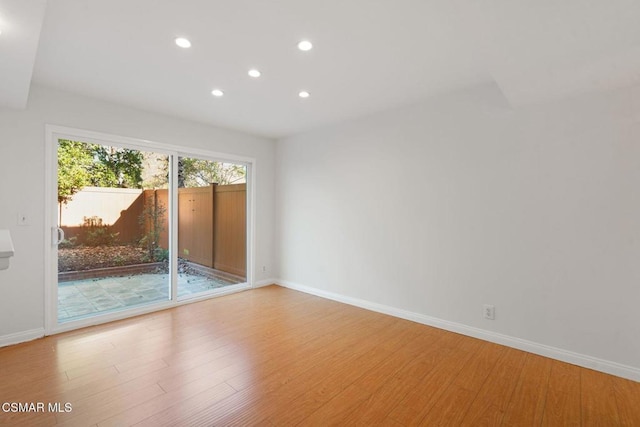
(140, 228)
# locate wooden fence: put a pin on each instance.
(119, 208)
(230, 229)
(211, 223)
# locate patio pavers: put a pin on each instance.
(92, 296)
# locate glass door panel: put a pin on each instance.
(211, 225)
(113, 207)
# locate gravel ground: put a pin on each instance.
(88, 258)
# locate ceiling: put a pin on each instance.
(20, 23)
(368, 55)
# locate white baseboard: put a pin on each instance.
(585, 361)
(265, 282)
(19, 337)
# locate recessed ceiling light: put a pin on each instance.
(304, 94)
(183, 43)
(217, 93)
(254, 73)
(305, 45)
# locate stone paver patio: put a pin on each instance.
(80, 298)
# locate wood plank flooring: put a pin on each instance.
(273, 356)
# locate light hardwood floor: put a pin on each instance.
(273, 356)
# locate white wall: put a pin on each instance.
(22, 180)
(442, 207)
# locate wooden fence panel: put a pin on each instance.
(212, 227)
(195, 225)
(117, 208)
(230, 229)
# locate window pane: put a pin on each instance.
(113, 209)
(211, 225)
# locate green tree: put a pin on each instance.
(116, 167)
(74, 168)
(81, 164)
(200, 173)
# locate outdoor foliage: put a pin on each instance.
(69, 243)
(98, 234)
(200, 173)
(74, 166)
(152, 220)
(116, 167)
(82, 164)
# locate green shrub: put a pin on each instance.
(68, 243)
(152, 221)
(160, 254)
(101, 236)
(98, 234)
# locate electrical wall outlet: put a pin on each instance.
(489, 311)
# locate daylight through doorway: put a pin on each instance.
(130, 235)
(113, 207)
(211, 225)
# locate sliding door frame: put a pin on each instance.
(52, 135)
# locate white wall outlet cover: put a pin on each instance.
(489, 311)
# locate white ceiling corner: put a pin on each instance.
(550, 50)
(20, 23)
